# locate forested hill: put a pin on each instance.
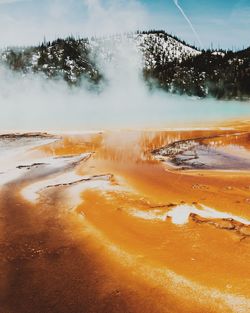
(168, 63)
(221, 74)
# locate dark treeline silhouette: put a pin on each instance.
(68, 58)
(221, 74)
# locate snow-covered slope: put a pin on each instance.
(162, 48)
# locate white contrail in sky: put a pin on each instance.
(176, 2)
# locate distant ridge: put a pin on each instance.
(168, 63)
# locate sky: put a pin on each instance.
(221, 23)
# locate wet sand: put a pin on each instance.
(100, 234)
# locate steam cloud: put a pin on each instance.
(33, 103)
(176, 2)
